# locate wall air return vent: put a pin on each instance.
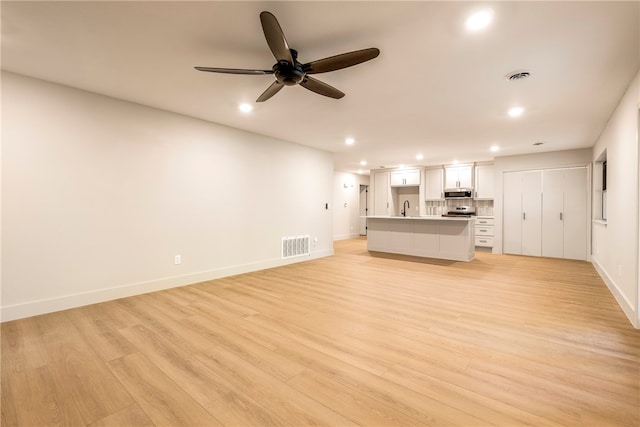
(295, 246)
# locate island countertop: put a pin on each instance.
(422, 217)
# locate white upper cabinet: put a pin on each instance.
(405, 178)
(434, 179)
(381, 197)
(458, 176)
(485, 181)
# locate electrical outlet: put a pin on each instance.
(177, 260)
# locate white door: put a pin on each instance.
(575, 213)
(532, 213)
(553, 182)
(512, 213)
(381, 193)
(522, 212)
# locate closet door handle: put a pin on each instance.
(524, 216)
(560, 216)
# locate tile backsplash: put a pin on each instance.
(439, 207)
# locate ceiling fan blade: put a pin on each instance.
(275, 37)
(271, 90)
(233, 70)
(315, 85)
(338, 62)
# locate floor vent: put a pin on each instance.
(295, 246)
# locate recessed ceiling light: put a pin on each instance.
(245, 108)
(419, 156)
(515, 111)
(479, 20)
(349, 141)
(495, 148)
(363, 162)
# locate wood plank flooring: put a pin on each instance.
(353, 339)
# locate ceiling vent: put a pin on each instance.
(518, 75)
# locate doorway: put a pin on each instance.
(363, 210)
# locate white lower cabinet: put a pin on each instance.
(545, 213)
(484, 231)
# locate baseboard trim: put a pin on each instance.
(347, 236)
(623, 302)
(35, 308)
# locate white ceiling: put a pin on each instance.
(435, 88)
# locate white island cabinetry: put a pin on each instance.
(426, 236)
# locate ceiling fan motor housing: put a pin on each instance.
(288, 74)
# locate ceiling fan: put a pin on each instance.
(289, 71)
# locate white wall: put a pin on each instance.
(615, 245)
(99, 195)
(346, 203)
(545, 160)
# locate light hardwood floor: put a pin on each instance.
(353, 339)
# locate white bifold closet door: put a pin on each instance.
(522, 213)
(564, 213)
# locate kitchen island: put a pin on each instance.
(450, 238)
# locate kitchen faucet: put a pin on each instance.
(405, 206)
